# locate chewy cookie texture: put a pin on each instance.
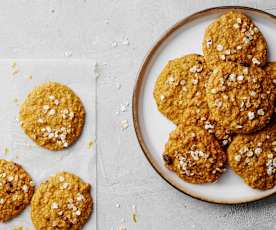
(234, 37)
(240, 98)
(229, 91)
(194, 155)
(52, 115)
(253, 157)
(180, 95)
(16, 189)
(62, 202)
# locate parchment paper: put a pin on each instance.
(16, 82)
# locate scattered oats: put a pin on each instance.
(78, 213)
(222, 57)
(252, 93)
(236, 26)
(232, 77)
(54, 205)
(219, 47)
(65, 185)
(258, 151)
(240, 78)
(250, 153)
(274, 143)
(245, 70)
(25, 188)
(227, 52)
(183, 82)
(52, 112)
(224, 142)
(218, 103)
(46, 108)
(239, 47)
(256, 61)
(61, 178)
(68, 53)
(52, 97)
(125, 42)
(237, 158)
(213, 91)
(195, 81)
(32, 183)
(114, 44)
(10, 178)
(239, 126)
(260, 112)
(2, 201)
(239, 20)
(124, 124)
(80, 197)
(56, 102)
(40, 120)
(65, 144)
(251, 115)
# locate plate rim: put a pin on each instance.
(142, 73)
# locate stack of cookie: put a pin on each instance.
(53, 117)
(223, 106)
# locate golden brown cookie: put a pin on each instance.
(240, 98)
(270, 69)
(194, 155)
(62, 202)
(253, 157)
(234, 37)
(52, 115)
(180, 95)
(16, 189)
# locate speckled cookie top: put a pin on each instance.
(16, 189)
(253, 157)
(180, 95)
(234, 37)
(62, 202)
(52, 115)
(270, 69)
(194, 154)
(240, 98)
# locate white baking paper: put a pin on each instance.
(17, 79)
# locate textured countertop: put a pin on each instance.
(118, 34)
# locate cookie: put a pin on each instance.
(194, 155)
(16, 189)
(270, 69)
(52, 115)
(253, 157)
(240, 98)
(180, 95)
(62, 202)
(234, 37)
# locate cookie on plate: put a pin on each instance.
(270, 69)
(253, 157)
(180, 95)
(234, 37)
(240, 98)
(194, 155)
(62, 202)
(52, 115)
(16, 189)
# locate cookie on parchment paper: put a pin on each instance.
(234, 37)
(194, 155)
(62, 202)
(52, 115)
(16, 189)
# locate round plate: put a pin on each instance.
(153, 129)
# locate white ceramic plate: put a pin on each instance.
(152, 128)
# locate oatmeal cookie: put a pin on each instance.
(234, 37)
(270, 69)
(253, 157)
(194, 155)
(52, 115)
(180, 95)
(16, 189)
(240, 98)
(62, 202)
